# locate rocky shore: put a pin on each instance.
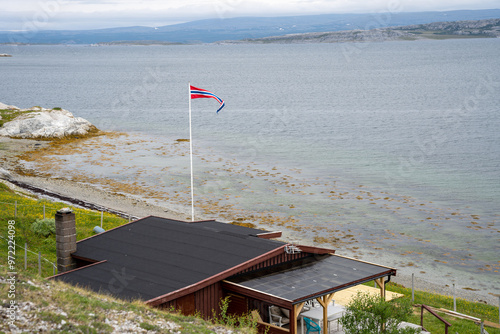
(489, 28)
(137, 208)
(56, 188)
(61, 188)
(38, 122)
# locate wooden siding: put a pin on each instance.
(208, 299)
(261, 307)
(205, 301)
(238, 304)
(278, 259)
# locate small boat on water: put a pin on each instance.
(5, 55)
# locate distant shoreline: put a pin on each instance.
(466, 29)
(267, 40)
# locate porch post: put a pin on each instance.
(381, 285)
(324, 301)
(293, 319)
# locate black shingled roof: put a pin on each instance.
(155, 256)
(311, 277)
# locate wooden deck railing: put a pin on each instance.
(446, 323)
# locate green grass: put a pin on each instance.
(28, 211)
(8, 115)
(85, 310)
(432, 324)
(78, 310)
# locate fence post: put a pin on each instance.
(422, 316)
(482, 326)
(454, 299)
(15, 209)
(25, 255)
(498, 295)
(412, 288)
(102, 217)
(43, 210)
(40, 263)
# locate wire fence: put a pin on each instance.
(47, 210)
(40, 255)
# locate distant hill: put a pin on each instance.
(212, 30)
(436, 30)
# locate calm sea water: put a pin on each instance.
(387, 151)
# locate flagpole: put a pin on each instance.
(191, 155)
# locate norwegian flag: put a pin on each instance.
(198, 93)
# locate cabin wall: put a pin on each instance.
(238, 304)
(205, 302)
(278, 259)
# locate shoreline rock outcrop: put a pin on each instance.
(37, 123)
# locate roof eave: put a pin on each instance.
(249, 292)
(213, 279)
(391, 272)
(269, 235)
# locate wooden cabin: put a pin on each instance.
(192, 266)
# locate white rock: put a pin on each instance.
(5, 106)
(5, 174)
(29, 282)
(46, 124)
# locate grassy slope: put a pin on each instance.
(29, 209)
(50, 297)
(62, 308)
(432, 324)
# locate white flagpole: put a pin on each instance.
(191, 155)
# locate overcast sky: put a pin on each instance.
(93, 14)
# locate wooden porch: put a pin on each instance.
(342, 297)
(307, 287)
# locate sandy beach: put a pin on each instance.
(128, 205)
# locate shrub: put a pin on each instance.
(44, 227)
(368, 314)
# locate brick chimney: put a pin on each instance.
(65, 240)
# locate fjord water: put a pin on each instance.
(388, 151)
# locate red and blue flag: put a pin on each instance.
(198, 93)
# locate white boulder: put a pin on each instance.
(46, 123)
(5, 174)
(3, 106)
